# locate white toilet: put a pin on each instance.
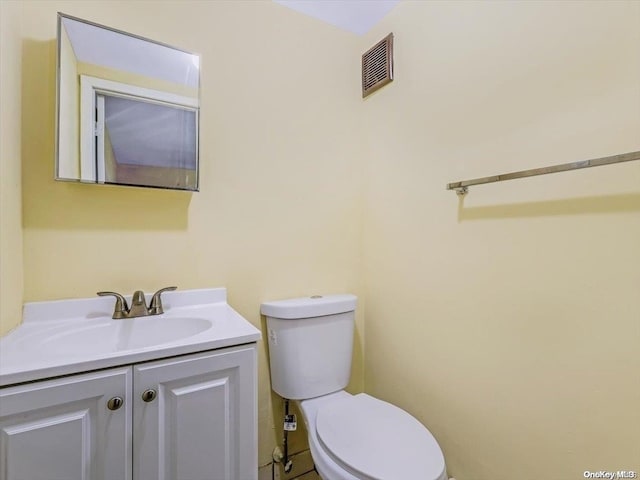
(351, 437)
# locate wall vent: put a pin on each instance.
(377, 66)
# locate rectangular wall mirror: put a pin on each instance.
(127, 109)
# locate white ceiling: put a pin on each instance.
(102, 46)
(357, 16)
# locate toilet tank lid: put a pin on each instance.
(306, 307)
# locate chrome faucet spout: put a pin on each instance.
(138, 305)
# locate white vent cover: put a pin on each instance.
(377, 66)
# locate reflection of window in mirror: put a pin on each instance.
(143, 143)
(137, 136)
(127, 109)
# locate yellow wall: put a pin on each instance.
(510, 324)
(11, 269)
(69, 116)
(279, 208)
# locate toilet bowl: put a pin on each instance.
(351, 437)
(358, 437)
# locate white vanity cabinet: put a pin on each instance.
(189, 417)
(195, 417)
(61, 429)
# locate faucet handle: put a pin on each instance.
(121, 309)
(155, 307)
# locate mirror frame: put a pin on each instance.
(60, 17)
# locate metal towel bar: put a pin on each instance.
(461, 188)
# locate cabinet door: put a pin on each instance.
(202, 423)
(62, 429)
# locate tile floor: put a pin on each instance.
(308, 476)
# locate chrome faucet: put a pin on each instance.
(138, 304)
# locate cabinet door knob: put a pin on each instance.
(149, 395)
(115, 403)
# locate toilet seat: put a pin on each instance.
(362, 434)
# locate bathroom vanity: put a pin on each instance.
(171, 396)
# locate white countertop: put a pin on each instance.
(47, 343)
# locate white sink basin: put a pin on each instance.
(70, 336)
(103, 336)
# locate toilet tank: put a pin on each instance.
(310, 344)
